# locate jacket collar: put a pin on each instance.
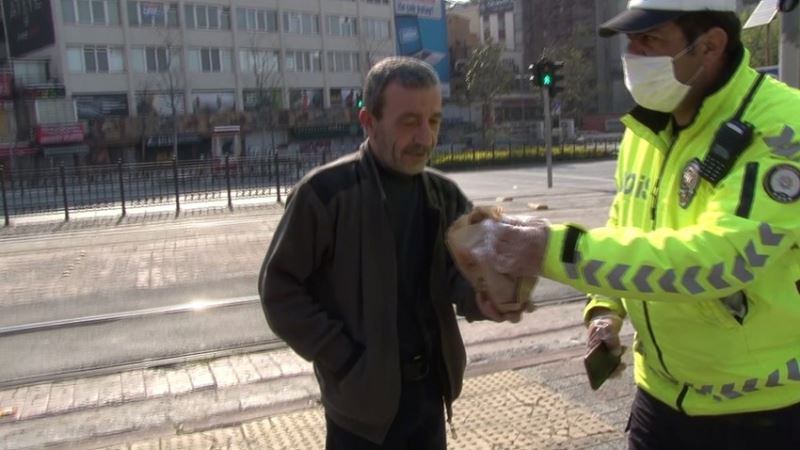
(369, 167)
(720, 104)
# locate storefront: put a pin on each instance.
(190, 146)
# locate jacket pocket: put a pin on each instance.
(728, 312)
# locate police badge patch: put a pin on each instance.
(782, 183)
(690, 179)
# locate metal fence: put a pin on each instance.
(169, 185)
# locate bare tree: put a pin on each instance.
(263, 64)
(165, 77)
(487, 77)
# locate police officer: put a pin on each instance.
(700, 251)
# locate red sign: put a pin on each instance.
(59, 134)
(19, 149)
(6, 85)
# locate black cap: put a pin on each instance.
(637, 21)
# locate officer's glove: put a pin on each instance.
(606, 327)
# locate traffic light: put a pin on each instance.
(536, 74)
(359, 101)
(555, 80)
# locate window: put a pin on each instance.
(297, 61)
(94, 59)
(301, 23)
(210, 60)
(90, 12)
(260, 62)
(257, 20)
(160, 104)
(260, 99)
(305, 98)
(487, 30)
(342, 26)
(154, 59)
(376, 28)
(208, 17)
(344, 97)
(378, 2)
(149, 14)
(501, 27)
(343, 62)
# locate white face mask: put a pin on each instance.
(652, 83)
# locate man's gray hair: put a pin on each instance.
(408, 72)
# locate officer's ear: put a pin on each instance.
(713, 44)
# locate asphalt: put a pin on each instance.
(519, 393)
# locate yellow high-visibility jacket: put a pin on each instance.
(708, 275)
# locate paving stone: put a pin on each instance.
(61, 397)
(266, 366)
(179, 381)
(200, 376)
(36, 401)
(152, 444)
(291, 364)
(110, 389)
(133, 385)
(155, 383)
(85, 394)
(224, 375)
(245, 370)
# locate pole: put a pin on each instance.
(548, 136)
(64, 191)
(228, 181)
(177, 192)
(5, 200)
(789, 52)
(121, 186)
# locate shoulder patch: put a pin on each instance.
(782, 183)
(784, 144)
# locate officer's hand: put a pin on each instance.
(517, 248)
(605, 327)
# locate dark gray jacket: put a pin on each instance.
(329, 289)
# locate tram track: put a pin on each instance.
(169, 360)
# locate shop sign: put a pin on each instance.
(45, 91)
(6, 85)
(59, 134)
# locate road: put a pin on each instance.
(68, 275)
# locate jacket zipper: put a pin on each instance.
(657, 188)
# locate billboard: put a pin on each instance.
(421, 30)
(496, 6)
(29, 25)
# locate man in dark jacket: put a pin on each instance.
(358, 280)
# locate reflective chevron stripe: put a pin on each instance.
(782, 145)
(693, 280)
(729, 391)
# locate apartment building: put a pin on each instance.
(216, 54)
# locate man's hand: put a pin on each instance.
(605, 326)
(487, 307)
(517, 248)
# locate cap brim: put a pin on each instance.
(637, 21)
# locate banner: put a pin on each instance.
(428, 9)
(496, 6)
(59, 134)
(425, 38)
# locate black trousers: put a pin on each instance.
(655, 426)
(418, 425)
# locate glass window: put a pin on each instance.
(98, 12)
(89, 61)
(84, 12)
(68, 11)
(75, 60)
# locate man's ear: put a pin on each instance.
(715, 43)
(366, 119)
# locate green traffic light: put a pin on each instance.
(547, 79)
(360, 104)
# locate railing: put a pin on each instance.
(173, 184)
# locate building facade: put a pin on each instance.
(147, 73)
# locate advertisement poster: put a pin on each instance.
(422, 34)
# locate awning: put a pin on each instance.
(62, 150)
